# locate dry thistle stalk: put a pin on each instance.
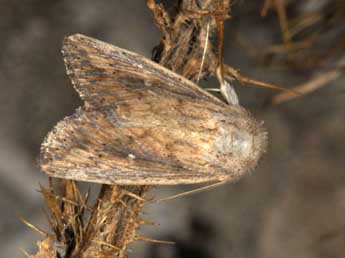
(66, 153)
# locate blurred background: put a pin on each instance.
(292, 205)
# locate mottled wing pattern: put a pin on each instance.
(102, 73)
(87, 146)
(141, 123)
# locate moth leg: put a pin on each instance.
(197, 190)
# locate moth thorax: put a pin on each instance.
(236, 142)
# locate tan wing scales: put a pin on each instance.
(87, 146)
(143, 124)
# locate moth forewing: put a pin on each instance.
(143, 124)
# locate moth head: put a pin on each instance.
(241, 144)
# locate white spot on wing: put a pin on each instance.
(131, 156)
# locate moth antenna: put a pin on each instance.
(226, 89)
(204, 51)
(154, 240)
(198, 190)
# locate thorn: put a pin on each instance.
(135, 196)
(149, 223)
(106, 244)
(86, 197)
(35, 228)
(57, 197)
(150, 240)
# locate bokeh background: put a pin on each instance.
(292, 205)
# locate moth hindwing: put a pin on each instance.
(143, 124)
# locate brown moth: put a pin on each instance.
(145, 125)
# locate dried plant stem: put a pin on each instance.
(231, 73)
(185, 45)
(313, 84)
(283, 21)
(307, 87)
(114, 221)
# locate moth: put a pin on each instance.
(143, 124)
